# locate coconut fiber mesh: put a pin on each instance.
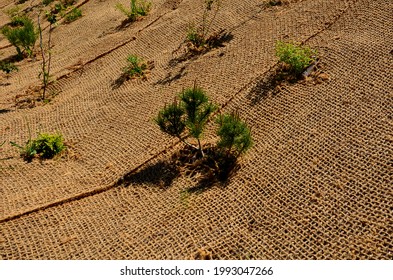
(315, 185)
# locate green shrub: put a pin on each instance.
(137, 8)
(73, 15)
(234, 134)
(22, 37)
(135, 67)
(7, 67)
(45, 146)
(296, 57)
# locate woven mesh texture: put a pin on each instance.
(317, 183)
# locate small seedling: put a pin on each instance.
(198, 37)
(192, 112)
(22, 37)
(45, 146)
(294, 56)
(136, 67)
(7, 67)
(73, 15)
(137, 8)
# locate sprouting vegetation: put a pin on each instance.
(136, 67)
(199, 35)
(22, 34)
(73, 15)
(235, 135)
(8, 67)
(137, 8)
(45, 146)
(297, 58)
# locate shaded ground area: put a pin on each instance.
(316, 184)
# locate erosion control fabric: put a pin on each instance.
(317, 183)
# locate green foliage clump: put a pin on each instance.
(137, 8)
(192, 112)
(135, 67)
(23, 36)
(73, 15)
(195, 37)
(171, 119)
(296, 57)
(235, 135)
(7, 67)
(45, 146)
(198, 110)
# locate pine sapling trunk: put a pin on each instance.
(200, 148)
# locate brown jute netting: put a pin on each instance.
(317, 183)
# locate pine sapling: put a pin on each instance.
(171, 120)
(198, 110)
(235, 135)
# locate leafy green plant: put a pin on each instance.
(137, 8)
(235, 135)
(22, 37)
(45, 146)
(7, 67)
(296, 57)
(73, 15)
(135, 67)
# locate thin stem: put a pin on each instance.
(43, 58)
(188, 144)
(49, 52)
(200, 147)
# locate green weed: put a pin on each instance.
(137, 8)
(45, 146)
(136, 67)
(73, 15)
(296, 57)
(7, 67)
